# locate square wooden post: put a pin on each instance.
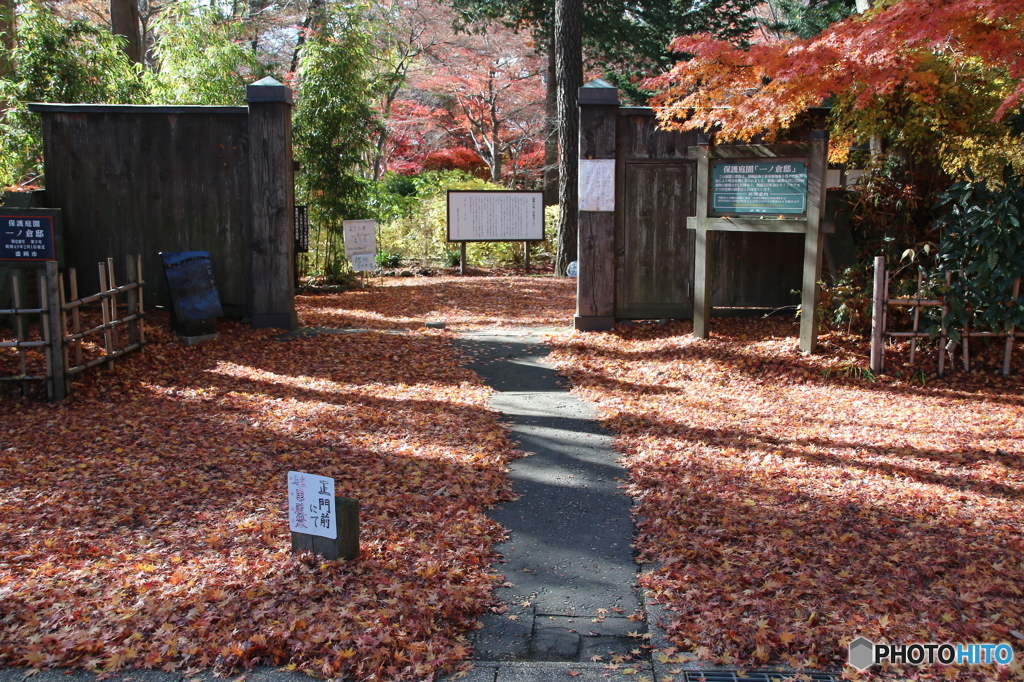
(272, 180)
(346, 546)
(595, 280)
(813, 240)
(702, 253)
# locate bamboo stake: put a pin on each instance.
(942, 332)
(105, 307)
(19, 329)
(141, 324)
(76, 318)
(966, 352)
(917, 314)
(61, 333)
(877, 316)
(113, 301)
(1008, 351)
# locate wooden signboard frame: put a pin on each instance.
(810, 225)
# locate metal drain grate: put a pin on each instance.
(754, 676)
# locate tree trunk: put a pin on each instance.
(6, 38)
(126, 21)
(569, 66)
(313, 22)
(551, 128)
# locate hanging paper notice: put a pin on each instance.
(597, 184)
(495, 216)
(311, 507)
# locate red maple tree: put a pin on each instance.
(892, 48)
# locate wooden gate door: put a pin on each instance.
(654, 250)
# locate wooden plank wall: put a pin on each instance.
(654, 271)
(150, 179)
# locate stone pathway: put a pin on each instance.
(568, 561)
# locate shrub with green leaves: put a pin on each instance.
(983, 246)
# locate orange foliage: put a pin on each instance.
(761, 90)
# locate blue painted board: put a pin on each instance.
(191, 284)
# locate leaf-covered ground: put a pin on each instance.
(143, 521)
(462, 302)
(789, 506)
(786, 504)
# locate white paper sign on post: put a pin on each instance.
(363, 262)
(597, 184)
(360, 240)
(311, 507)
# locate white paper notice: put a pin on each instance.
(311, 505)
(360, 237)
(597, 184)
(495, 216)
(363, 262)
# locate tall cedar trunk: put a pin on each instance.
(6, 38)
(551, 128)
(125, 21)
(569, 66)
(313, 22)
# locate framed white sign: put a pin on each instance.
(311, 508)
(495, 216)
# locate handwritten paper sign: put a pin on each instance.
(311, 505)
(597, 184)
(495, 216)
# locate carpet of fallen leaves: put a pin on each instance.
(462, 302)
(787, 504)
(143, 521)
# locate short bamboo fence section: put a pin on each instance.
(880, 323)
(120, 326)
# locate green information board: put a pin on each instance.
(774, 187)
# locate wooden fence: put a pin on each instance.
(56, 326)
(880, 325)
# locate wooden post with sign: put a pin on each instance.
(595, 282)
(320, 521)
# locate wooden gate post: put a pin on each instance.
(595, 281)
(814, 240)
(702, 250)
(272, 193)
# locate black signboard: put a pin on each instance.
(301, 229)
(778, 186)
(26, 237)
(194, 296)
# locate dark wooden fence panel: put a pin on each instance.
(756, 270)
(640, 138)
(655, 250)
(150, 179)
